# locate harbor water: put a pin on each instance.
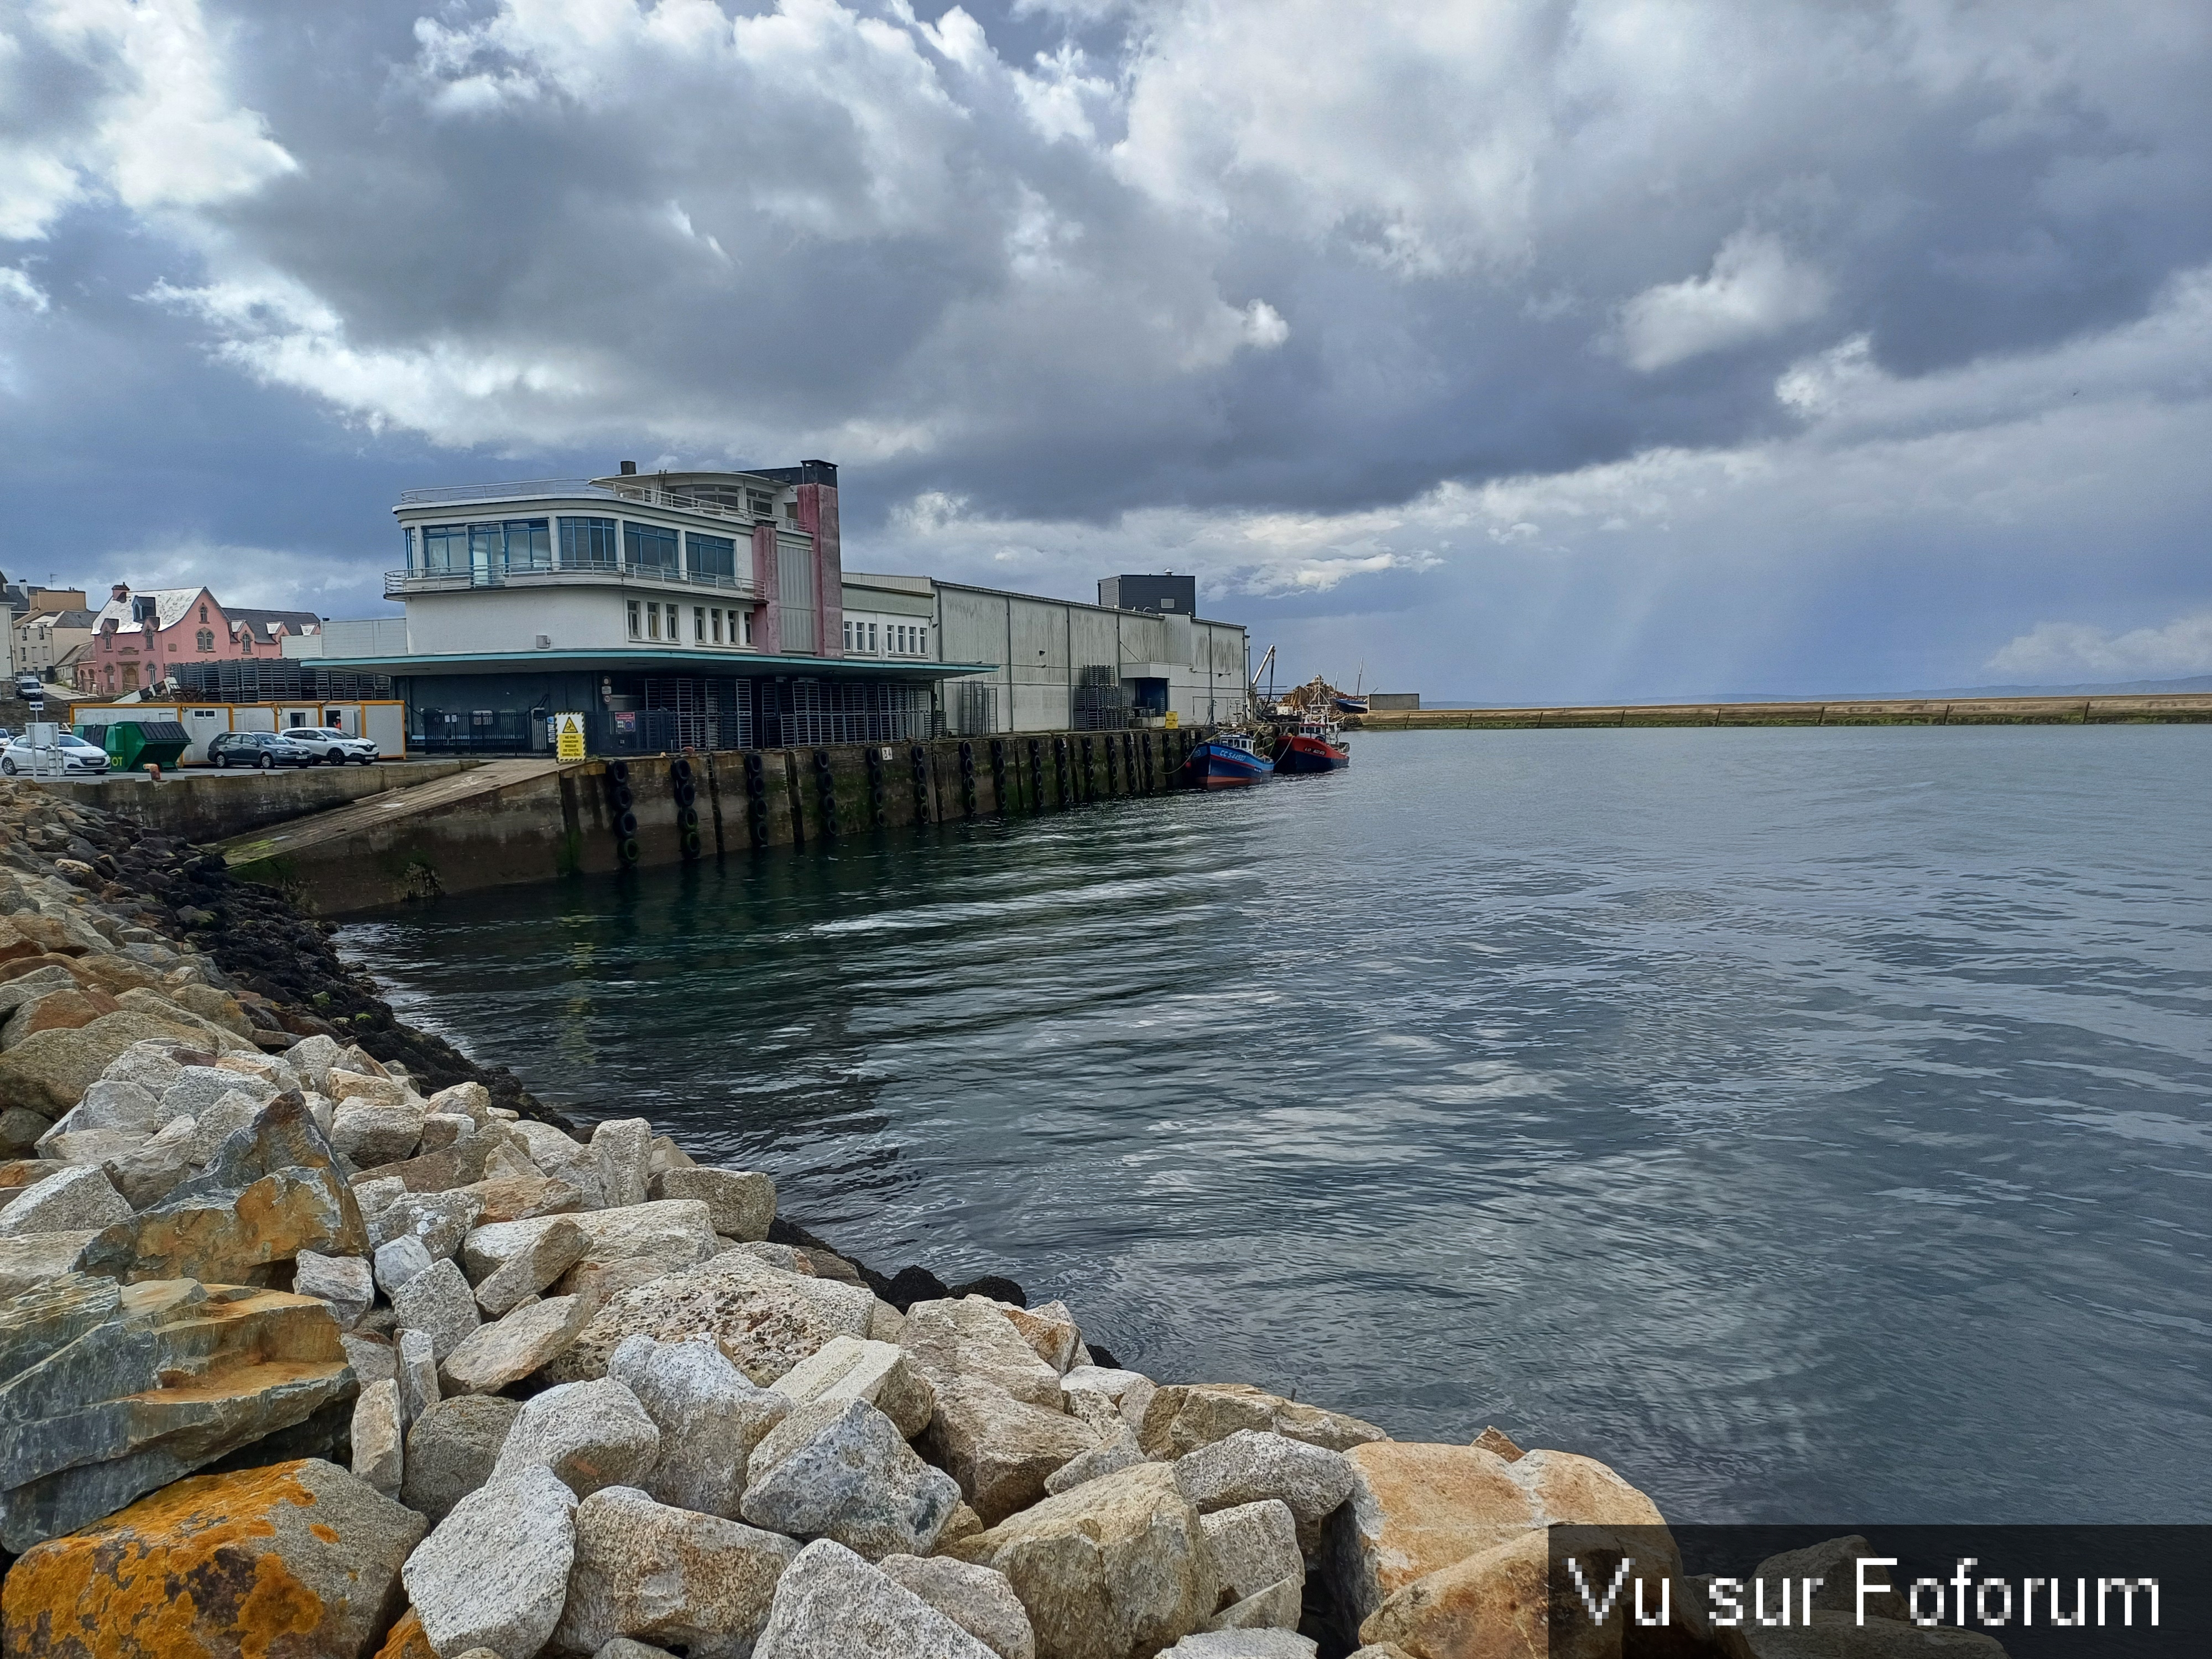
(1816, 1125)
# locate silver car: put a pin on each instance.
(335, 745)
(79, 758)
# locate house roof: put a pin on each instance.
(266, 622)
(57, 618)
(170, 604)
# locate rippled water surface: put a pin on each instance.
(1814, 1124)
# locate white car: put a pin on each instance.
(335, 745)
(78, 756)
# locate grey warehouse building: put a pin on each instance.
(712, 610)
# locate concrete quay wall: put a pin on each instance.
(1964, 711)
(207, 803)
(515, 823)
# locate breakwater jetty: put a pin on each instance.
(344, 840)
(2183, 708)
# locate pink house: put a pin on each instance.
(138, 638)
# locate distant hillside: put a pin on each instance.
(2120, 689)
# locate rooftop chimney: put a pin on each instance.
(120, 592)
(630, 469)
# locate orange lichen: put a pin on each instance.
(278, 1605)
(329, 1535)
(407, 1640)
(181, 1574)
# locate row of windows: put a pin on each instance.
(711, 624)
(508, 544)
(897, 639)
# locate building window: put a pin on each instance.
(675, 626)
(445, 547)
(648, 547)
(634, 633)
(407, 539)
(748, 618)
(849, 636)
(529, 543)
(791, 510)
(718, 626)
(921, 641)
(763, 506)
(203, 618)
(699, 624)
(587, 544)
(871, 637)
(712, 556)
(207, 634)
(653, 622)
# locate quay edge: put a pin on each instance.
(522, 821)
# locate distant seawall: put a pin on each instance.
(1964, 711)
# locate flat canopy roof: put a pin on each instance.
(678, 660)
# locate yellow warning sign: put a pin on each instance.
(568, 737)
(1175, 723)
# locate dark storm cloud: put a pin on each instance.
(1452, 302)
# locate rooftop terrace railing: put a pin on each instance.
(642, 494)
(400, 584)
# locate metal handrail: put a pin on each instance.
(492, 492)
(535, 489)
(399, 583)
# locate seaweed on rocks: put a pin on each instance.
(292, 982)
(258, 937)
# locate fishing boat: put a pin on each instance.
(1349, 703)
(1227, 759)
(1316, 744)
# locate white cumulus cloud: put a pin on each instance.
(2077, 651)
(1754, 289)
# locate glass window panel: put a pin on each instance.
(712, 556)
(487, 546)
(445, 547)
(529, 544)
(587, 544)
(649, 547)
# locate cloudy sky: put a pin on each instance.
(1503, 349)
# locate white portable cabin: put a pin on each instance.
(382, 721)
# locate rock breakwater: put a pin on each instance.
(317, 1340)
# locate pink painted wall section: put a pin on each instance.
(767, 620)
(817, 514)
(149, 655)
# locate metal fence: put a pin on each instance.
(852, 711)
(709, 713)
(477, 731)
(273, 679)
(974, 710)
(1100, 702)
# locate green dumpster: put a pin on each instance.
(135, 744)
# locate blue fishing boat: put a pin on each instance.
(1226, 760)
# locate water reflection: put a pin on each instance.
(1813, 1124)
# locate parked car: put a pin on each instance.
(265, 749)
(77, 756)
(336, 748)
